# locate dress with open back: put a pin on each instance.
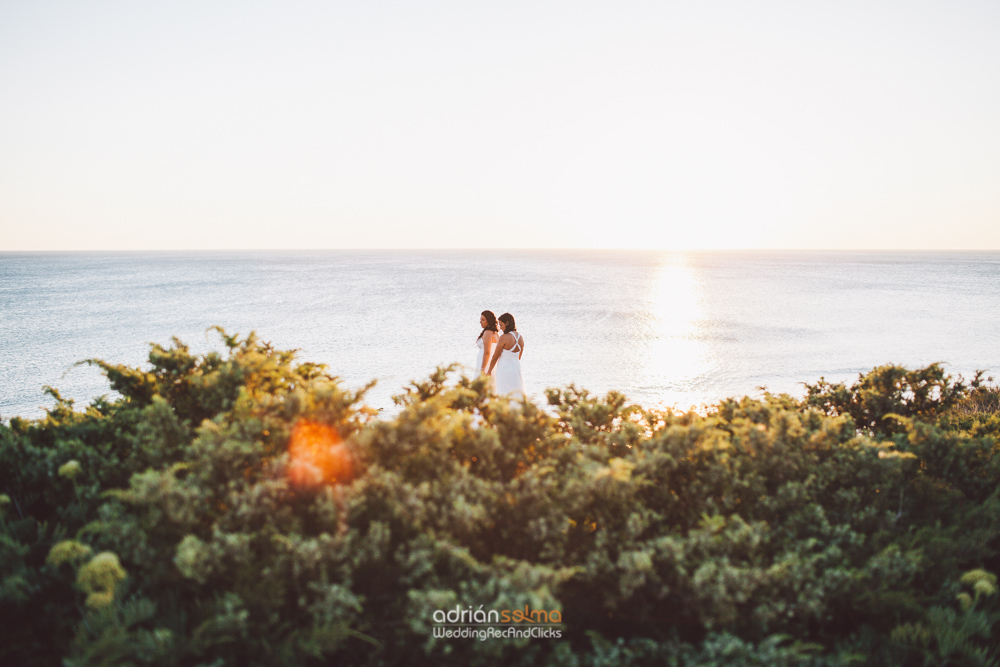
(507, 372)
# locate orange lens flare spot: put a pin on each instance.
(317, 455)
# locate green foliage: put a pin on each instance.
(168, 526)
(880, 400)
(948, 636)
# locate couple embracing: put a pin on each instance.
(505, 365)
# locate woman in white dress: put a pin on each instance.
(487, 338)
(507, 360)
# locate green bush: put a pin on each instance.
(245, 509)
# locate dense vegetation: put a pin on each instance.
(245, 509)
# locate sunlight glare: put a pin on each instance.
(675, 350)
(317, 455)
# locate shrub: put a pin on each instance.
(243, 508)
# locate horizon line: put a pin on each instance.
(482, 249)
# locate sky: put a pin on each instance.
(423, 124)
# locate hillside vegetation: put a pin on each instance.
(242, 508)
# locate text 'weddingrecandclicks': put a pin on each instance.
(481, 624)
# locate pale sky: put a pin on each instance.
(417, 124)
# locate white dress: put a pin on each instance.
(479, 364)
(507, 372)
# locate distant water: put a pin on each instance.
(664, 328)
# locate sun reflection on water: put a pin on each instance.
(676, 354)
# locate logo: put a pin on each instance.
(481, 624)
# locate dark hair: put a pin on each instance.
(508, 319)
(491, 322)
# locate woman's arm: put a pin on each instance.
(488, 338)
(522, 349)
(498, 350)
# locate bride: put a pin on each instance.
(507, 360)
(487, 338)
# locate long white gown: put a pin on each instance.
(479, 364)
(507, 372)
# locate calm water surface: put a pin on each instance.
(664, 328)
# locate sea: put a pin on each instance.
(667, 329)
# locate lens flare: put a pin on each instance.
(317, 455)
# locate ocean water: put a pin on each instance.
(670, 329)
